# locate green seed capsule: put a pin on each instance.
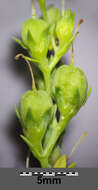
(36, 112)
(69, 88)
(53, 15)
(65, 26)
(35, 37)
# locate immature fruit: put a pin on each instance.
(53, 15)
(36, 110)
(35, 37)
(69, 89)
(65, 27)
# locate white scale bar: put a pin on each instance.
(49, 173)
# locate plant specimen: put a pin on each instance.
(58, 90)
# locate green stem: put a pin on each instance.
(42, 4)
(60, 52)
(33, 60)
(63, 7)
(33, 10)
(46, 74)
(44, 163)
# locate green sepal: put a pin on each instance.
(19, 42)
(33, 149)
(30, 39)
(46, 32)
(49, 131)
(27, 142)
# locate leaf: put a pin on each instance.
(61, 162)
(72, 165)
(19, 42)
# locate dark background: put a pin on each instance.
(15, 80)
